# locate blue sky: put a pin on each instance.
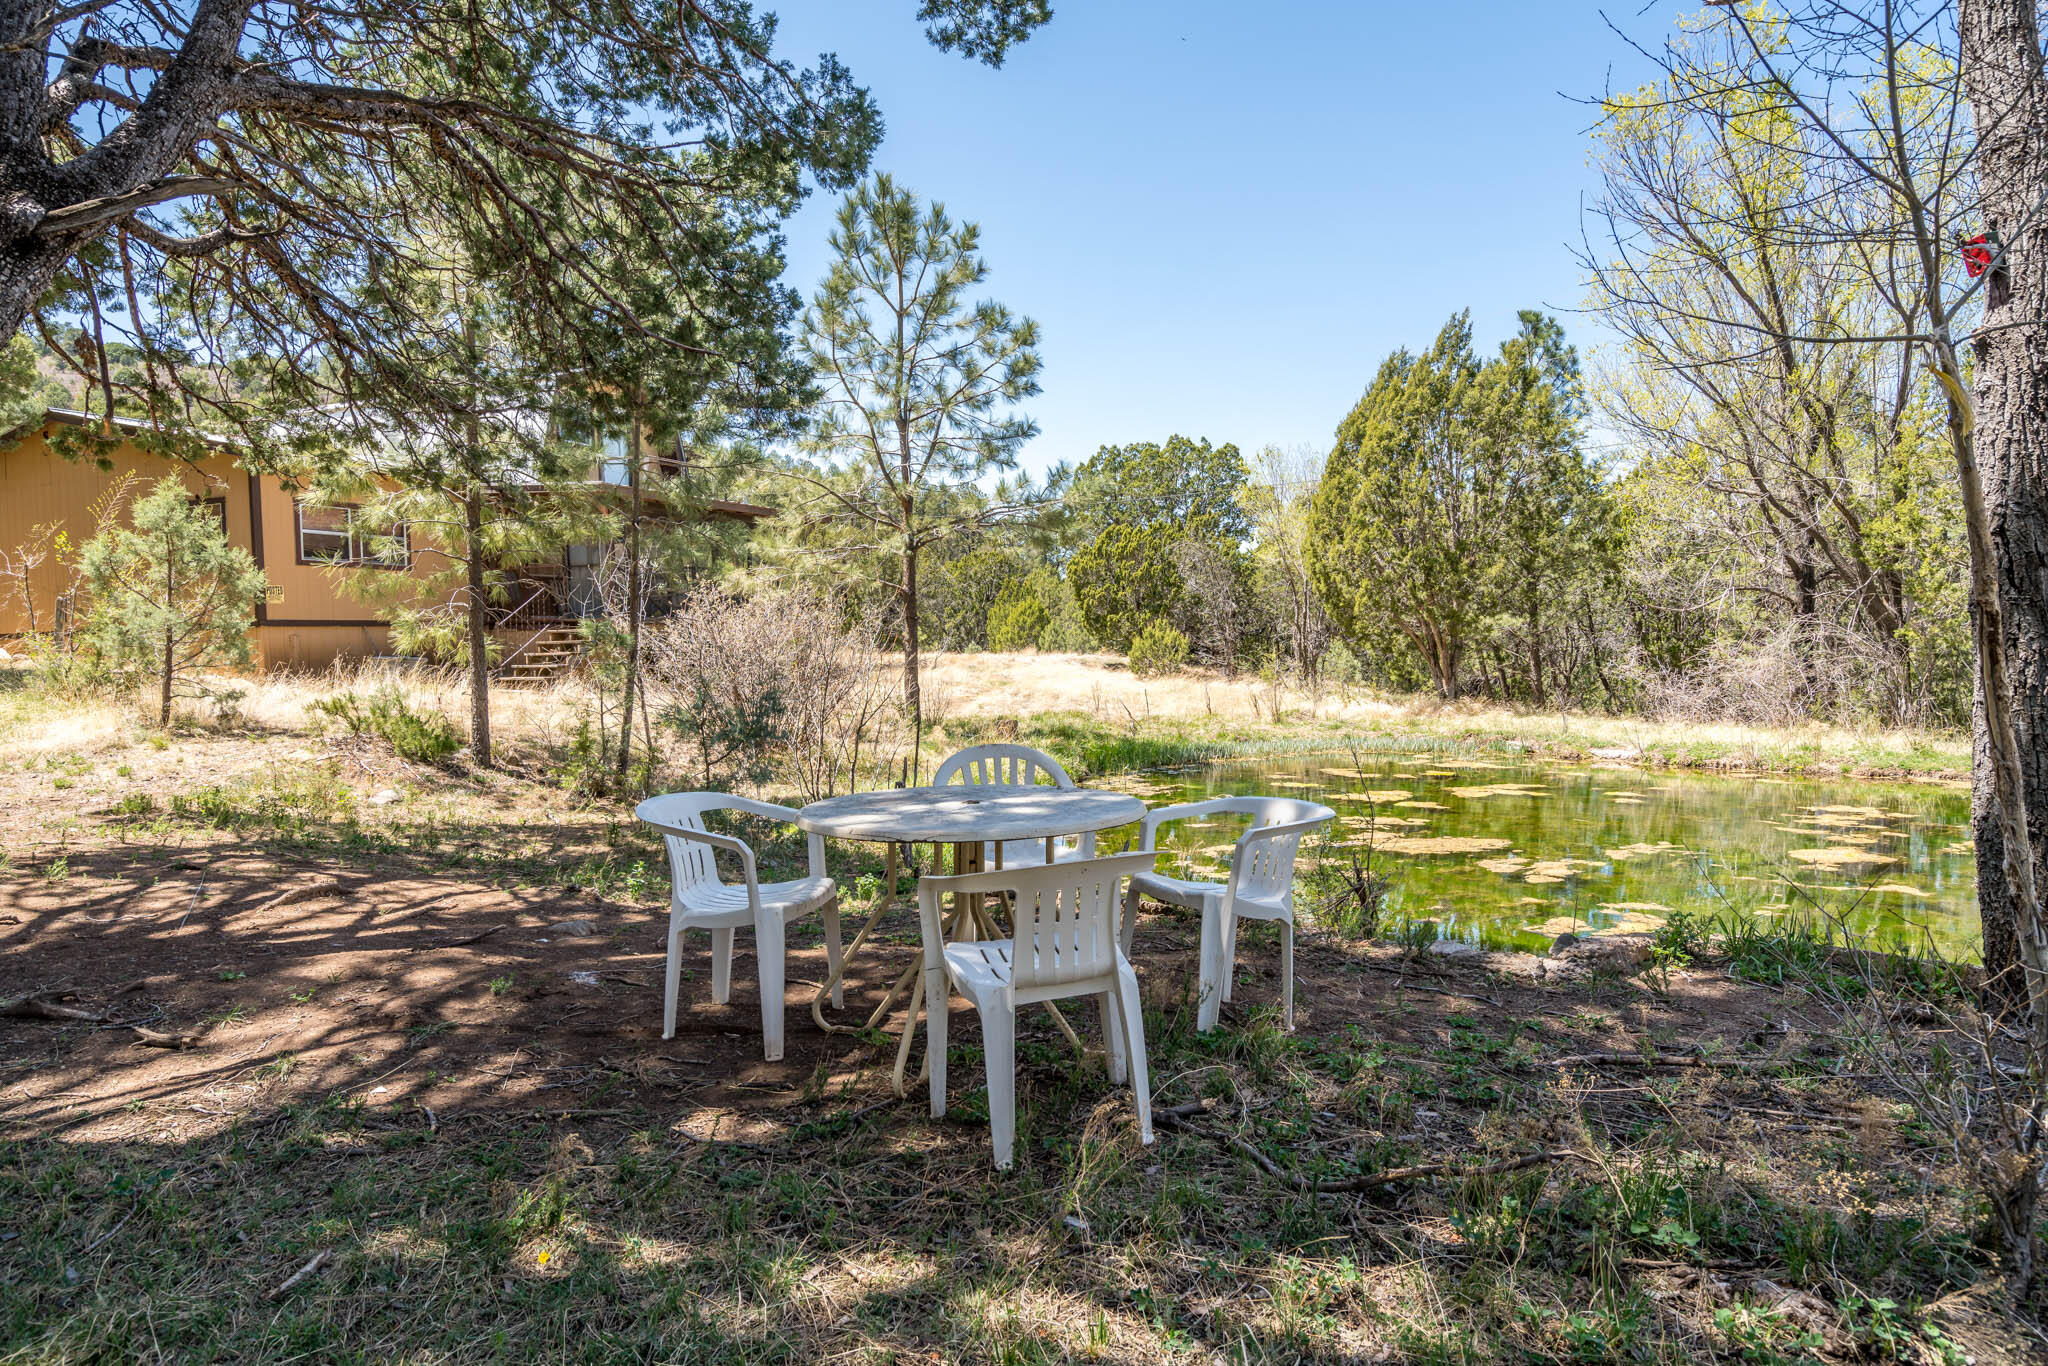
(1225, 215)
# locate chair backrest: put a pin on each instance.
(1066, 928)
(1262, 867)
(1008, 765)
(691, 863)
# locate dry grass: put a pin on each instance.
(974, 690)
(34, 724)
(981, 686)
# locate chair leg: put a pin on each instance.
(1132, 1010)
(999, 1047)
(1113, 1037)
(768, 948)
(833, 952)
(937, 1017)
(1287, 974)
(1208, 986)
(674, 983)
(721, 966)
(1229, 977)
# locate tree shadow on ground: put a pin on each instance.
(416, 1068)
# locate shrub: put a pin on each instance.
(1340, 665)
(1157, 648)
(1018, 619)
(780, 683)
(423, 737)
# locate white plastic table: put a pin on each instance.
(966, 817)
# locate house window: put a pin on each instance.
(578, 429)
(216, 508)
(612, 465)
(340, 535)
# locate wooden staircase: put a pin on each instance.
(548, 654)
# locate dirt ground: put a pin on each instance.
(304, 978)
(407, 974)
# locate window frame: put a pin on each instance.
(356, 555)
(218, 506)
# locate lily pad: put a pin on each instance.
(1444, 844)
(1841, 856)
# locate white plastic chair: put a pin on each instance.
(1261, 887)
(1019, 766)
(700, 901)
(1066, 924)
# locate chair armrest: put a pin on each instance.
(725, 842)
(770, 809)
(1148, 827)
(788, 815)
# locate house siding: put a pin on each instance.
(311, 617)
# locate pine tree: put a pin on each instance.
(918, 386)
(170, 595)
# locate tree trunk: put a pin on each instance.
(27, 266)
(2002, 74)
(170, 643)
(1536, 648)
(479, 635)
(913, 698)
(633, 605)
(1806, 613)
(170, 667)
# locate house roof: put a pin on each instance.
(72, 417)
(731, 508)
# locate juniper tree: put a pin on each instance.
(1455, 491)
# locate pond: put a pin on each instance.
(1511, 853)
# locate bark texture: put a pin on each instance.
(2008, 93)
(478, 608)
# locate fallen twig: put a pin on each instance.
(408, 912)
(93, 1246)
(197, 892)
(313, 1267)
(38, 1005)
(326, 886)
(1445, 991)
(1374, 1180)
(1174, 1118)
(479, 936)
(1663, 1060)
(151, 1038)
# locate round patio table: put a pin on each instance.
(966, 816)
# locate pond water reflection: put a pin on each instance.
(1510, 853)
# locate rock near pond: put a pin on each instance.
(1573, 957)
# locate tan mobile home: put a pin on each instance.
(310, 616)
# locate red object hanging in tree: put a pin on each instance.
(1977, 254)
